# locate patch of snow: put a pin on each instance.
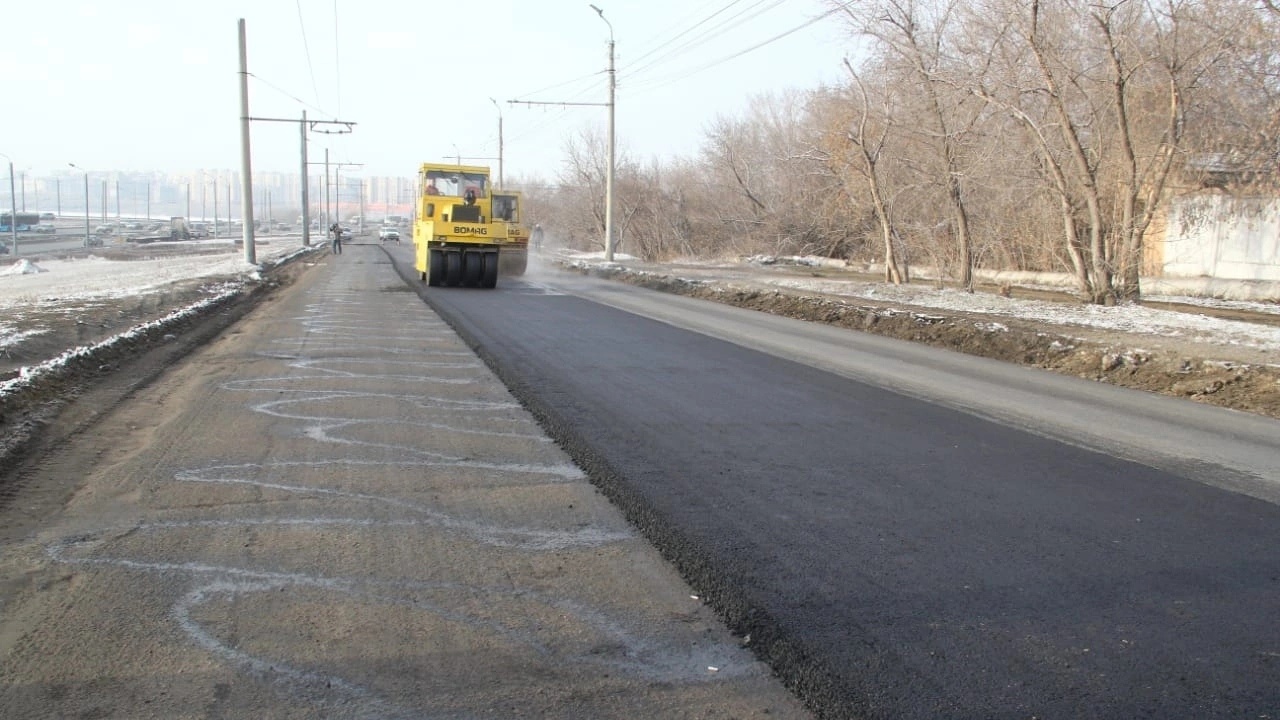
(10, 337)
(23, 267)
(600, 256)
(95, 277)
(1125, 318)
(27, 374)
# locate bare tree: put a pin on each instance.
(917, 33)
(870, 146)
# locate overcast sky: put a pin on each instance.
(152, 84)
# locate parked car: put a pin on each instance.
(45, 228)
(104, 230)
(93, 241)
(198, 230)
(388, 232)
(4, 248)
(48, 216)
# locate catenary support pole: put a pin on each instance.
(306, 181)
(246, 169)
(13, 210)
(609, 172)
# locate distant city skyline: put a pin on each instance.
(165, 194)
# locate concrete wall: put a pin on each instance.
(1219, 236)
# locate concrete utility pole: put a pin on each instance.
(608, 180)
(316, 126)
(57, 185)
(86, 202)
(306, 180)
(13, 207)
(501, 179)
(246, 169)
(609, 173)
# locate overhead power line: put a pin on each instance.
(562, 84)
(715, 32)
(289, 95)
(681, 34)
(306, 47)
(337, 60)
(656, 83)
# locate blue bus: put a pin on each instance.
(26, 221)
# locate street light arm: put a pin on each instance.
(600, 12)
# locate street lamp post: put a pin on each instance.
(86, 202)
(13, 206)
(608, 180)
(501, 181)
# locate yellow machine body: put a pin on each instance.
(507, 206)
(456, 239)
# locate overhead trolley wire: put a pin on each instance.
(289, 95)
(557, 114)
(306, 47)
(681, 34)
(656, 83)
(742, 16)
(337, 60)
(561, 84)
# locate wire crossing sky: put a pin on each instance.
(150, 85)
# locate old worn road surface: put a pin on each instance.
(337, 511)
(909, 533)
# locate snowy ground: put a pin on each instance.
(55, 310)
(44, 285)
(27, 283)
(60, 308)
(1136, 319)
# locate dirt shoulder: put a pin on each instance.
(102, 351)
(1235, 377)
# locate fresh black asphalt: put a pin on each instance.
(892, 558)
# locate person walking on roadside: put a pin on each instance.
(537, 238)
(336, 230)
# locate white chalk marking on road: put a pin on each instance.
(339, 317)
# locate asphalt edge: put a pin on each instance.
(823, 692)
